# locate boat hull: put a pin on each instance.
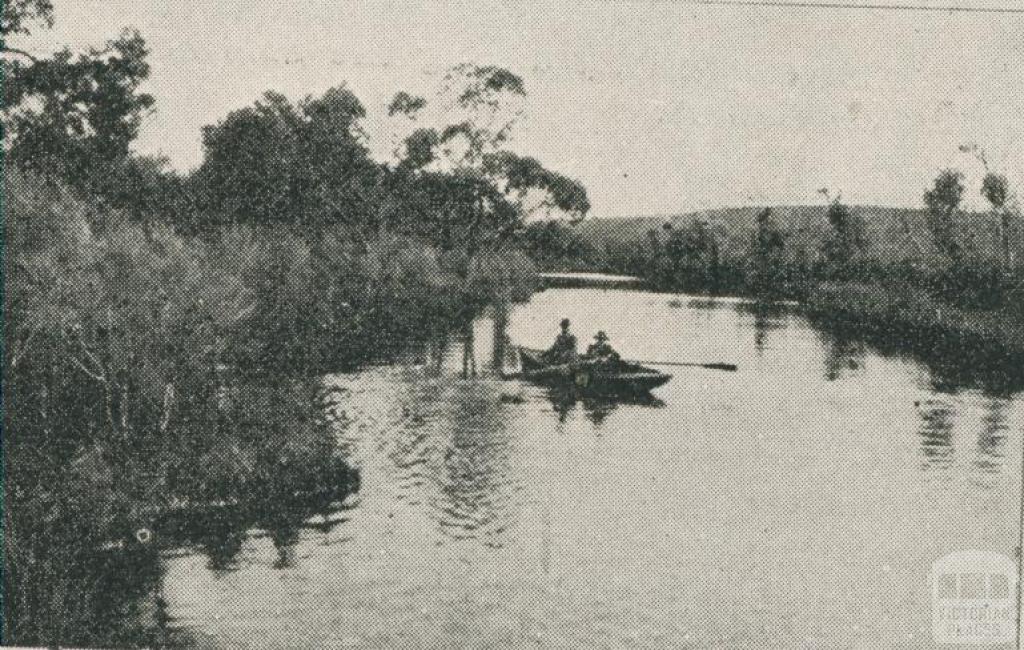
(589, 376)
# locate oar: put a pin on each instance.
(730, 367)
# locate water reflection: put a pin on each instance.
(446, 444)
(98, 598)
(992, 436)
(596, 408)
(88, 570)
(768, 317)
(218, 534)
(476, 482)
(475, 506)
(844, 355)
(950, 369)
(936, 431)
(947, 418)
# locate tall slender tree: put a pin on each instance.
(943, 203)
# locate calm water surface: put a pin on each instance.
(797, 503)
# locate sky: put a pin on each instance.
(656, 107)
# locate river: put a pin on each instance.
(798, 502)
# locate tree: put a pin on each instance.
(996, 190)
(555, 245)
(769, 263)
(943, 202)
(693, 257)
(16, 17)
(474, 117)
(278, 162)
(72, 114)
(846, 239)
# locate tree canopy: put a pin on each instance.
(279, 162)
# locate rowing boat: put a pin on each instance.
(589, 375)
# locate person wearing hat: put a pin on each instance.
(564, 348)
(601, 349)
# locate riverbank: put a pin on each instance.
(878, 272)
(146, 368)
(910, 318)
(893, 317)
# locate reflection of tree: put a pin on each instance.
(953, 364)
(96, 598)
(282, 523)
(220, 535)
(768, 317)
(843, 354)
(992, 435)
(468, 351)
(437, 348)
(596, 407)
(475, 477)
(936, 431)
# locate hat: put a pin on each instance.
(565, 322)
(601, 336)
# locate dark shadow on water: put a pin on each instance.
(992, 436)
(220, 530)
(844, 355)
(952, 367)
(596, 407)
(936, 431)
(107, 598)
(767, 317)
(110, 595)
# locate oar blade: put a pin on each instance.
(728, 367)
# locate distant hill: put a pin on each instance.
(893, 233)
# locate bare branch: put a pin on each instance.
(92, 356)
(168, 406)
(13, 50)
(17, 356)
(90, 373)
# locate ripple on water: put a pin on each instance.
(664, 523)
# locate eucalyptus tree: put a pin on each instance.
(467, 190)
(846, 240)
(995, 187)
(943, 202)
(996, 190)
(483, 192)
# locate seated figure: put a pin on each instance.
(563, 350)
(601, 349)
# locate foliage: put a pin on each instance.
(555, 246)
(406, 104)
(943, 201)
(996, 189)
(463, 156)
(164, 331)
(846, 241)
(72, 113)
(17, 15)
(277, 162)
(768, 261)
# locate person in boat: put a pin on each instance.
(563, 350)
(601, 350)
